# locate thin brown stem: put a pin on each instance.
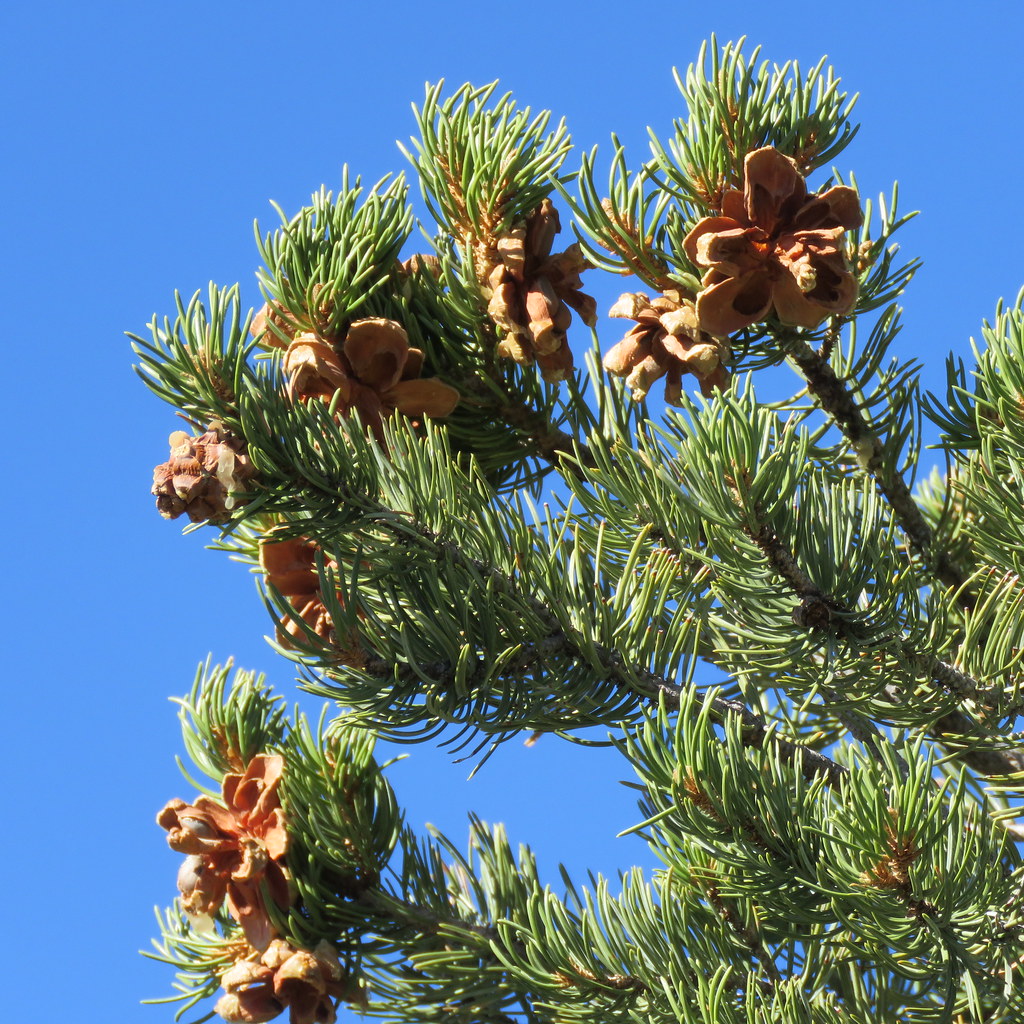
(820, 610)
(565, 452)
(836, 399)
(747, 935)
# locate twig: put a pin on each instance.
(836, 399)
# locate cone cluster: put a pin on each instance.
(773, 250)
(235, 848)
(235, 857)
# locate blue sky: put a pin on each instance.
(142, 140)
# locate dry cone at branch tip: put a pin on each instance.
(305, 983)
(774, 249)
(234, 848)
(204, 476)
(375, 370)
(531, 291)
(666, 341)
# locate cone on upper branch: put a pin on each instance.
(530, 292)
(774, 248)
(375, 370)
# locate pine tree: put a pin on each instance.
(468, 529)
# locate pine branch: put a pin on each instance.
(819, 610)
(822, 611)
(835, 398)
(411, 573)
(649, 686)
(493, 946)
(421, 919)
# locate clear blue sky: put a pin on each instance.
(142, 140)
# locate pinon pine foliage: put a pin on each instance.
(810, 662)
